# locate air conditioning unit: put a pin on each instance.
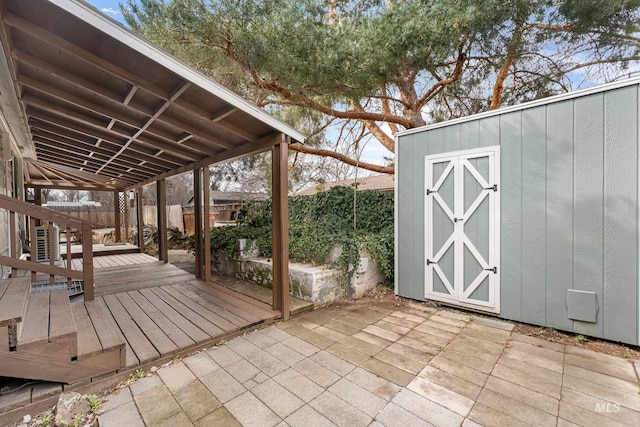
(43, 235)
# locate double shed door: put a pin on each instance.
(462, 241)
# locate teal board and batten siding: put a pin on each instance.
(569, 207)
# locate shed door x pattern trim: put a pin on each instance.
(462, 233)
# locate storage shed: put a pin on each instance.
(528, 212)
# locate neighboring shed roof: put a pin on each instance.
(375, 182)
(99, 99)
(232, 196)
(89, 203)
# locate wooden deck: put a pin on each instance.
(151, 309)
(100, 249)
(162, 310)
(108, 261)
(261, 293)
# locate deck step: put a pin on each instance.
(14, 295)
(98, 333)
(48, 319)
(35, 327)
(62, 326)
(88, 342)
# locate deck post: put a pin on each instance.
(116, 213)
(140, 218)
(206, 190)
(280, 226)
(13, 247)
(126, 217)
(37, 196)
(87, 261)
(37, 199)
(197, 219)
(161, 205)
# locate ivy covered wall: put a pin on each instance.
(319, 223)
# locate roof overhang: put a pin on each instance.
(120, 112)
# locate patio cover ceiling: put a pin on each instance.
(106, 109)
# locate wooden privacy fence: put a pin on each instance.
(150, 216)
(222, 213)
(98, 216)
(103, 217)
(190, 225)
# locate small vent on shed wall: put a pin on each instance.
(582, 305)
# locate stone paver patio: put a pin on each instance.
(366, 366)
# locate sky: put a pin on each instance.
(372, 152)
(110, 8)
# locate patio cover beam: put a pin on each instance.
(161, 210)
(197, 219)
(116, 211)
(280, 226)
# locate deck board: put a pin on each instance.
(122, 260)
(88, 342)
(209, 302)
(107, 261)
(14, 300)
(195, 333)
(249, 311)
(61, 324)
(256, 306)
(108, 332)
(209, 328)
(4, 284)
(130, 358)
(177, 335)
(156, 336)
(35, 328)
(246, 316)
(141, 346)
(209, 313)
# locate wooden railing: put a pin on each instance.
(48, 218)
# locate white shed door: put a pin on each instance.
(462, 209)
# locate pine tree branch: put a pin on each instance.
(348, 160)
(599, 62)
(303, 100)
(375, 130)
(441, 83)
(386, 109)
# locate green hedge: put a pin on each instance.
(319, 223)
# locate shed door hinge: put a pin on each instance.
(430, 191)
(494, 187)
(494, 269)
(429, 262)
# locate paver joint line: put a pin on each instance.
(377, 368)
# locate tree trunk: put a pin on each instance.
(512, 49)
